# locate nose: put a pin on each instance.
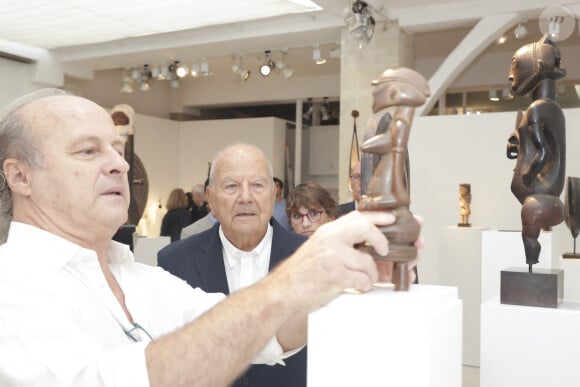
(116, 162)
(306, 222)
(245, 192)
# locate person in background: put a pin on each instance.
(245, 244)
(199, 208)
(280, 204)
(354, 184)
(77, 310)
(309, 206)
(177, 215)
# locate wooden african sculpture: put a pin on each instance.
(538, 143)
(464, 205)
(573, 212)
(388, 188)
(124, 119)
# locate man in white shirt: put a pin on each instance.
(76, 310)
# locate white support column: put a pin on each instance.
(298, 144)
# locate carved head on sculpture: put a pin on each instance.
(533, 63)
(124, 119)
(402, 86)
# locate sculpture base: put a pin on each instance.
(542, 287)
(571, 256)
(463, 224)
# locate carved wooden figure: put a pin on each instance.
(539, 142)
(464, 205)
(388, 188)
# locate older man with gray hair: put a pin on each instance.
(76, 310)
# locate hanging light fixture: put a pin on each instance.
(520, 32)
(317, 55)
(239, 70)
(361, 22)
(127, 81)
(268, 65)
(146, 75)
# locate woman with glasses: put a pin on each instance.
(308, 207)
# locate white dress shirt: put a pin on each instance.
(61, 325)
(244, 268)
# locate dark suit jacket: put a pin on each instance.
(344, 208)
(199, 261)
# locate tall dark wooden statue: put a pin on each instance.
(388, 188)
(539, 145)
(539, 142)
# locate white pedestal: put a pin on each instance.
(146, 249)
(460, 266)
(503, 249)
(387, 338)
(528, 346)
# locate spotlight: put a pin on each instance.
(335, 53)
(180, 69)
(205, 68)
(288, 72)
(127, 79)
(501, 40)
(493, 95)
(520, 32)
(317, 56)
(195, 70)
(268, 65)
(361, 22)
(238, 69)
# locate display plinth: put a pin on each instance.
(528, 346)
(460, 266)
(542, 287)
(503, 249)
(404, 339)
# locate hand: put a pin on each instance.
(327, 263)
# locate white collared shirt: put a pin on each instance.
(61, 325)
(244, 268)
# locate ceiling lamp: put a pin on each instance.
(127, 81)
(204, 69)
(493, 95)
(281, 65)
(361, 22)
(317, 55)
(520, 32)
(268, 65)
(240, 71)
(146, 75)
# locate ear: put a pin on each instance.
(17, 176)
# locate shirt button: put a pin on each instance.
(245, 381)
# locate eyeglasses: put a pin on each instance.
(312, 215)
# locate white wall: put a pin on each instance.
(448, 150)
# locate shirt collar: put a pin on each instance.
(56, 251)
(233, 255)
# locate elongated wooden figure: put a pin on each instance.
(539, 142)
(388, 188)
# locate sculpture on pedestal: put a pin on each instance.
(464, 205)
(538, 143)
(573, 212)
(388, 188)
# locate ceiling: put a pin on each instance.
(96, 35)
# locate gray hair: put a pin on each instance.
(198, 188)
(17, 141)
(221, 152)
